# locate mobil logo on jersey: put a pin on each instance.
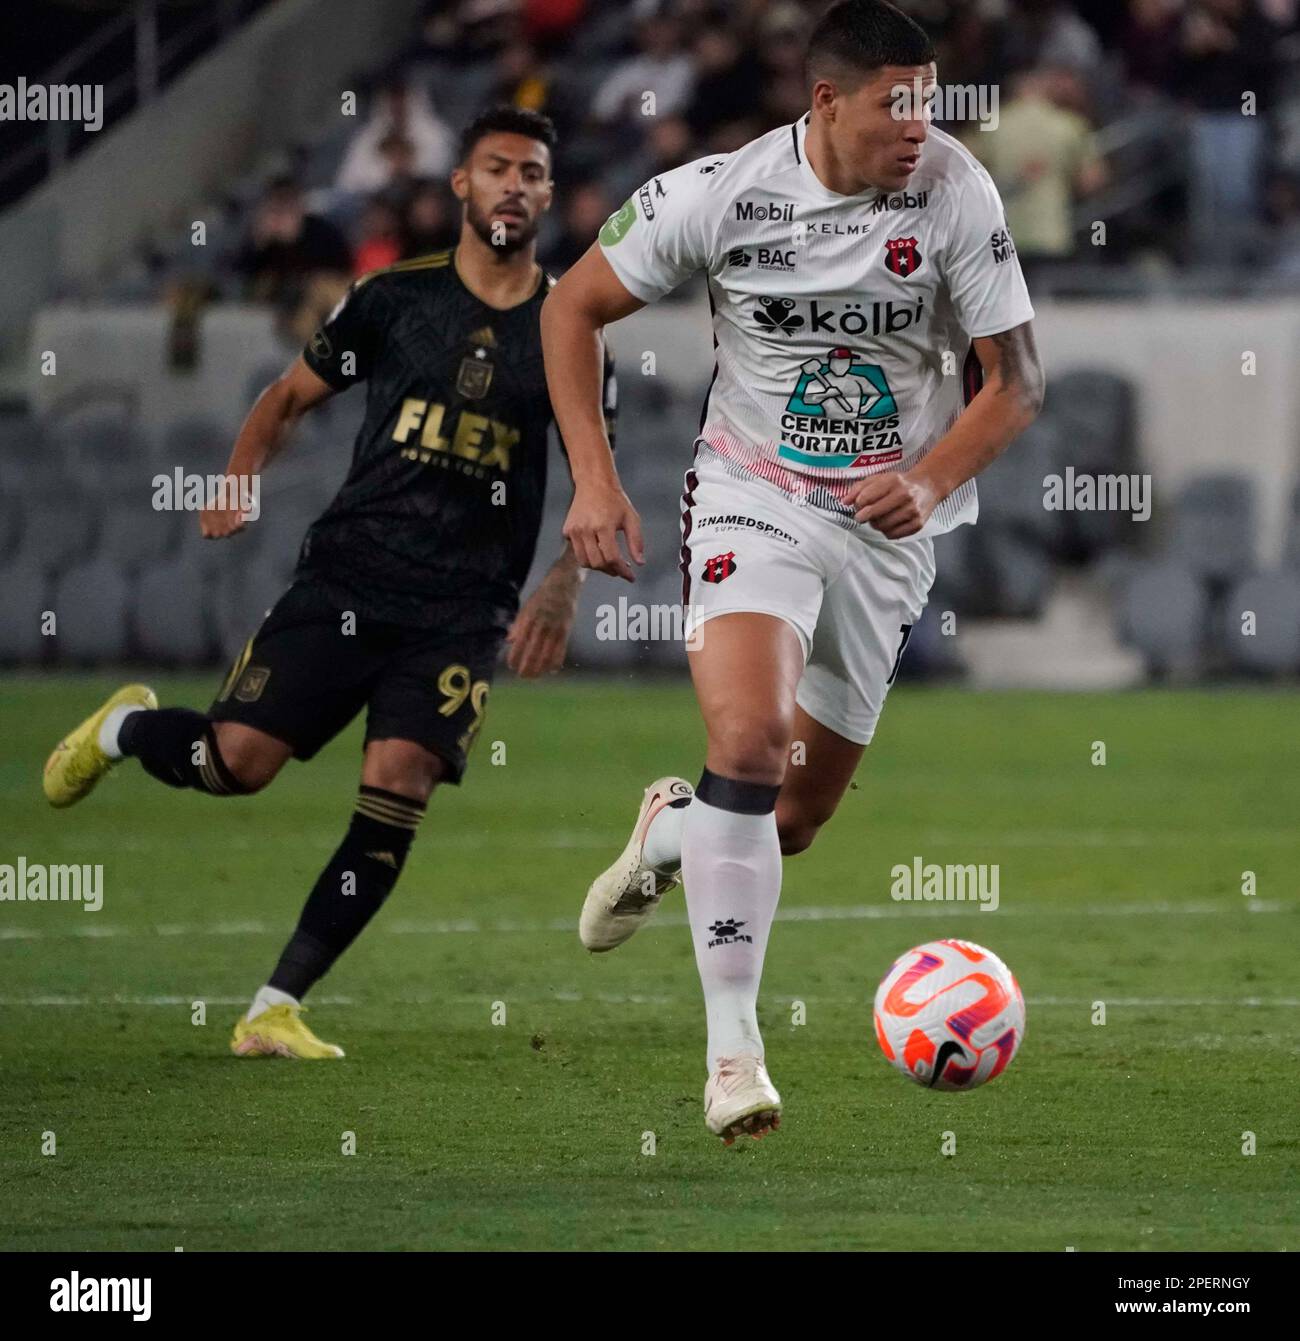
(840, 412)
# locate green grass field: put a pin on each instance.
(1119, 884)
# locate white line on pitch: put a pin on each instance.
(638, 999)
(848, 913)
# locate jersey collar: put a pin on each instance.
(814, 184)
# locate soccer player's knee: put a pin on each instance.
(798, 823)
(247, 761)
(412, 772)
(796, 836)
(751, 749)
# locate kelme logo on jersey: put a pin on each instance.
(840, 413)
(901, 256)
(615, 228)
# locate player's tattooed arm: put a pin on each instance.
(1012, 370)
(899, 504)
(539, 636)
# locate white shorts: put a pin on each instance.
(851, 595)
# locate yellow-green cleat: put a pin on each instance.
(279, 1032)
(78, 762)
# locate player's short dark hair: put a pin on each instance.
(858, 36)
(512, 120)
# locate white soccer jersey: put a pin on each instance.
(842, 325)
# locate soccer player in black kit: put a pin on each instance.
(407, 586)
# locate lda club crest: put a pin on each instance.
(901, 256)
(475, 375)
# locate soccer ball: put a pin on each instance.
(949, 1014)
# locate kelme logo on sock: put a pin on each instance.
(727, 932)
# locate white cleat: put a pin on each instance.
(740, 1099)
(622, 899)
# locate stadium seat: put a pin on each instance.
(100, 445)
(62, 526)
(29, 459)
(1093, 412)
(1291, 550)
(92, 601)
(24, 598)
(241, 598)
(1017, 571)
(1274, 645)
(1163, 612)
(1215, 526)
(173, 617)
(1012, 489)
(133, 534)
(197, 444)
(11, 523)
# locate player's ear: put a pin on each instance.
(460, 183)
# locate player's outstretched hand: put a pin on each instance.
(896, 505)
(539, 636)
(217, 523)
(596, 516)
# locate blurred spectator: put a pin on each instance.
(782, 36)
(400, 175)
(661, 67)
(1150, 42)
(466, 31)
(524, 79)
(1282, 202)
(379, 241)
(727, 73)
(400, 113)
(286, 246)
(586, 207)
(1041, 156)
(1050, 32)
(430, 222)
(1226, 51)
(668, 144)
(548, 22)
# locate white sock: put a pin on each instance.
(662, 848)
(111, 727)
(266, 998)
(732, 871)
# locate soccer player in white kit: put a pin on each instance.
(874, 352)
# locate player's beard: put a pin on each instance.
(481, 223)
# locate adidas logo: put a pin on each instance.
(386, 857)
(727, 932)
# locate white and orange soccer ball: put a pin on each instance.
(950, 1015)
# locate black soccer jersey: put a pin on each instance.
(437, 522)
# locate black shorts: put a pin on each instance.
(311, 667)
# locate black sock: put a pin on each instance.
(177, 746)
(744, 798)
(351, 889)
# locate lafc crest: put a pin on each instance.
(475, 375)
